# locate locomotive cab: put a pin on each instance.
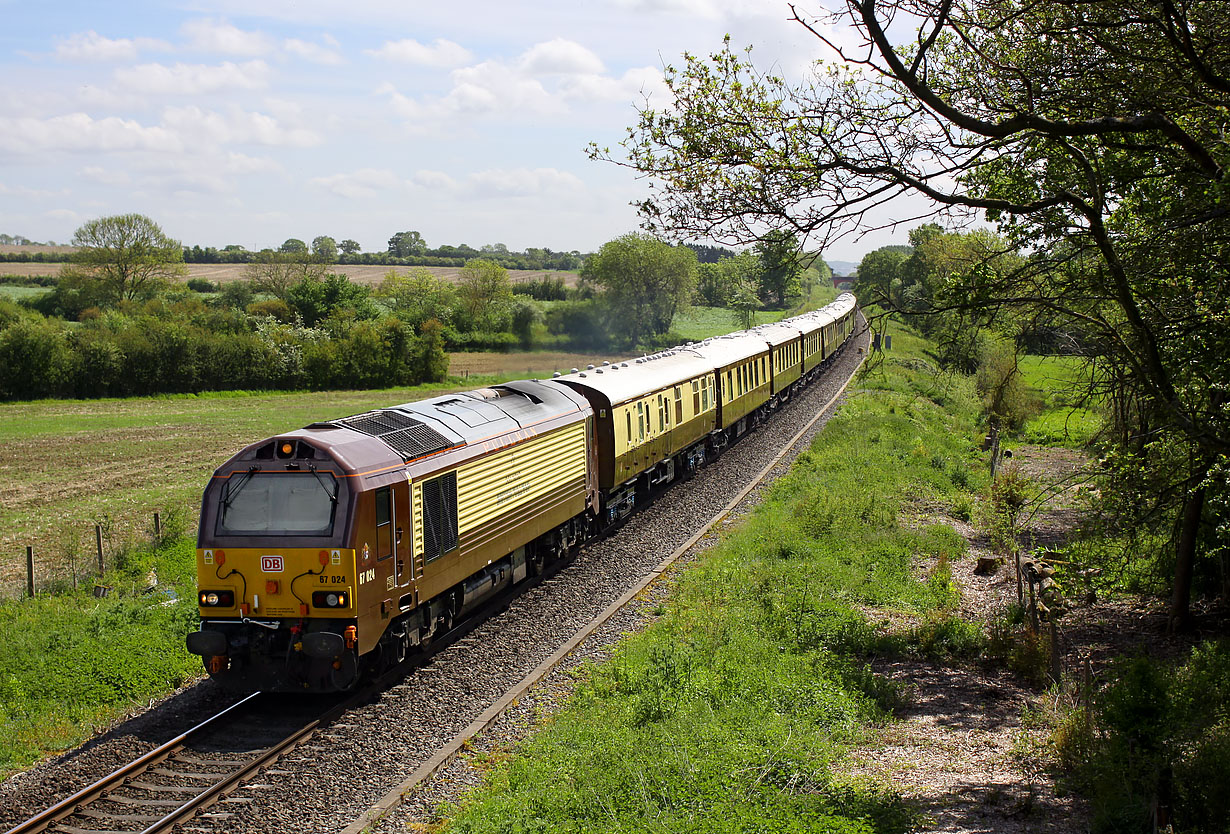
(277, 571)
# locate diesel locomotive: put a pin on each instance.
(345, 545)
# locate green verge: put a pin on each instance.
(71, 663)
(732, 710)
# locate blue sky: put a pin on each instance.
(250, 123)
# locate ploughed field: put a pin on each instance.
(368, 274)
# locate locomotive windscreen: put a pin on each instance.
(278, 504)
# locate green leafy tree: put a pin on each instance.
(645, 281)
(744, 302)
(779, 267)
(485, 294)
(407, 244)
(717, 282)
(324, 248)
(124, 257)
(349, 247)
(1091, 132)
(316, 299)
(417, 296)
(294, 246)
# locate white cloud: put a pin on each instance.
(523, 182)
(362, 184)
(434, 180)
(91, 46)
(25, 193)
(105, 176)
(219, 36)
(313, 52)
(193, 79)
(632, 87)
(209, 127)
(560, 57)
(82, 132)
(441, 53)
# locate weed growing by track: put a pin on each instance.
(726, 714)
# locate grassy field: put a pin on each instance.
(733, 711)
(1064, 419)
(14, 293)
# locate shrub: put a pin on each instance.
(1158, 737)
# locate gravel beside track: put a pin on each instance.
(330, 782)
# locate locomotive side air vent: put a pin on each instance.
(405, 435)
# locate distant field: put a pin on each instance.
(21, 292)
(360, 274)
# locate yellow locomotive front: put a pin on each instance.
(277, 571)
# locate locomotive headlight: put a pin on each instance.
(209, 599)
(331, 600)
(216, 599)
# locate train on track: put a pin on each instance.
(345, 545)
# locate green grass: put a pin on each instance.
(14, 292)
(697, 323)
(71, 663)
(1065, 420)
(733, 710)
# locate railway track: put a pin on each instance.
(335, 771)
(190, 773)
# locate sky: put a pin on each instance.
(246, 123)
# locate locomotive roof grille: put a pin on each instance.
(405, 435)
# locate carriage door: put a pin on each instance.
(402, 545)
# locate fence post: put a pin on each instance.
(157, 527)
(98, 542)
(30, 570)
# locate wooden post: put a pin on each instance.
(98, 543)
(157, 527)
(30, 570)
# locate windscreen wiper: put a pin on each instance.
(232, 494)
(323, 485)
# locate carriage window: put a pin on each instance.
(678, 404)
(278, 504)
(628, 414)
(695, 396)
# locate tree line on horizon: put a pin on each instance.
(120, 319)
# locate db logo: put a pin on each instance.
(271, 564)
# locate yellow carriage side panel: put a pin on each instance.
(494, 484)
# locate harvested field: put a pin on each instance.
(368, 274)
